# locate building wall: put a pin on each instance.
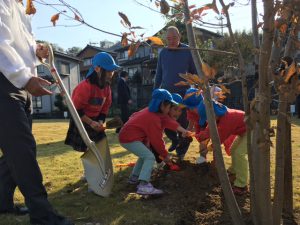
(70, 82)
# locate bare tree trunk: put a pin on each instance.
(229, 196)
(252, 163)
(288, 175)
(281, 141)
(261, 116)
(245, 101)
(279, 168)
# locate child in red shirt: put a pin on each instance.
(144, 129)
(230, 123)
(92, 99)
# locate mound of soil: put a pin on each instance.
(194, 195)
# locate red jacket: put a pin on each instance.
(229, 125)
(147, 127)
(194, 118)
(90, 99)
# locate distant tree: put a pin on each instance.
(73, 51)
(218, 61)
(56, 47)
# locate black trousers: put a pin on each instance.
(18, 164)
(176, 137)
(124, 112)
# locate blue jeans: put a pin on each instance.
(144, 165)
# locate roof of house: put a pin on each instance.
(97, 49)
(134, 61)
(121, 48)
(67, 56)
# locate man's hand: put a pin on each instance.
(129, 101)
(35, 86)
(42, 51)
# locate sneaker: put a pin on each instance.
(240, 190)
(133, 180)
(201, 160)
(148, 189)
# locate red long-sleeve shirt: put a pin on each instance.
(194, 118)
(232, 123)
(92, 100)
(147, 127)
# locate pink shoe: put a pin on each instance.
(148, 189)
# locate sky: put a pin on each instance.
(103, 14)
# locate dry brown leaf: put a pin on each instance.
(213, 6)
(124, 40)
(155, 41)
(125, 19)
(76, 17)
(283, 28)
(164, 7)
(200, 10)
(182, 83)
(208, 71)
(196, 79)
(290, 72)
(192, 79)
(54, 18)
(133, 47)
(30, 9)
(186, 96)
(295, 19)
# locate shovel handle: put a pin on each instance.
(90, 144)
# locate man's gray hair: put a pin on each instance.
(172, 29)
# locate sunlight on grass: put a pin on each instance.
(62, 169)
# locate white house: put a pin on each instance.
(68, 69)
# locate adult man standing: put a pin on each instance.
(124, 97)
(172, 62)
(18, 165)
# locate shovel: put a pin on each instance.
(96, 160)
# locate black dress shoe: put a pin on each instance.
(17, 210)
(56, 219)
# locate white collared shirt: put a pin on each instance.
(17, 44)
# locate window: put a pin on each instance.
(122, 55)
(87, 62)
(40, 69)
(132, 71)
(64, 68)
(37, 102)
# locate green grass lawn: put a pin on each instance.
(62, 169)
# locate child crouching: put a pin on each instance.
(143, 129)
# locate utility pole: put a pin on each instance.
(220, 18)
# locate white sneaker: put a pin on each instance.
(148, 189)
(201, 160)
